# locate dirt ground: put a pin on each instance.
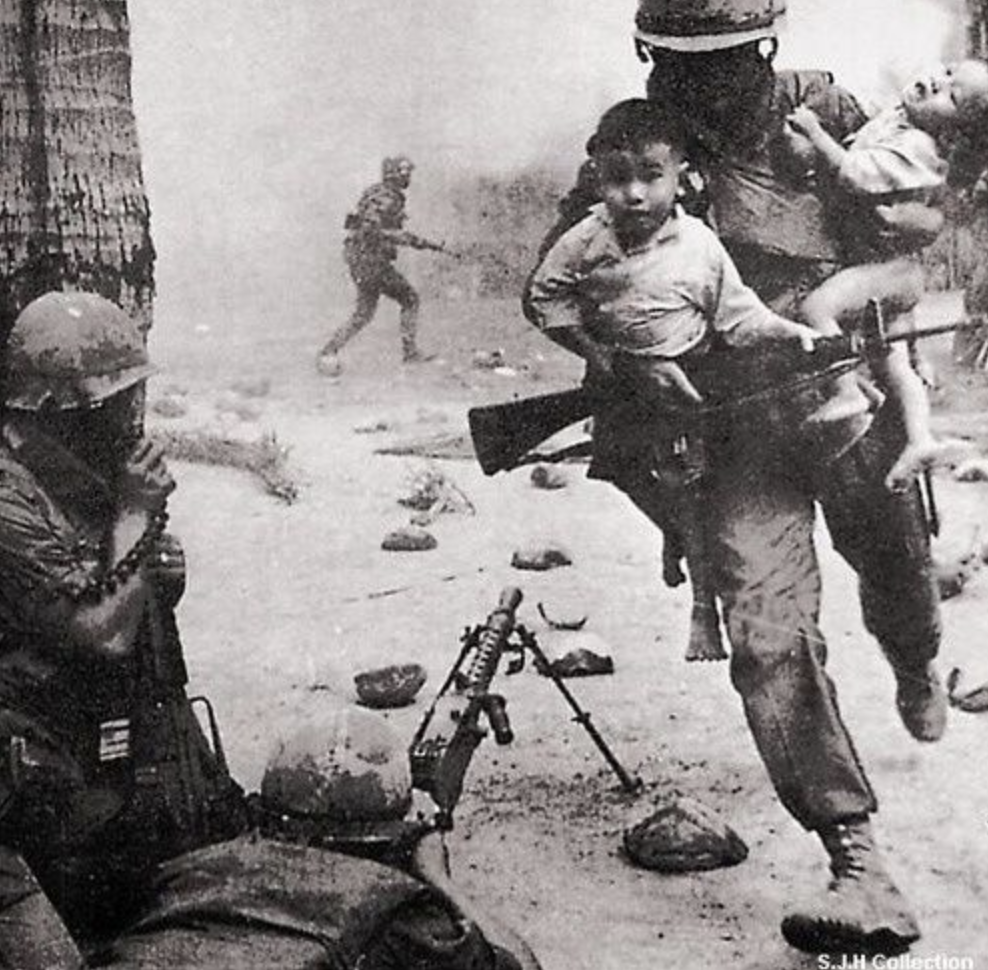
(286, 602)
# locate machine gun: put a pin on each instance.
(451, 730)
(727, 378)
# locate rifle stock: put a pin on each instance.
(502, 433)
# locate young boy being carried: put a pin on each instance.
(639, 289)
(882, 183)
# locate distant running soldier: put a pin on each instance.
(374, 233)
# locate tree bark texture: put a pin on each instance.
(73, 210)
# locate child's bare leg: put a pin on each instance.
(897, 283)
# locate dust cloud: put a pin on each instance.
(261, 122)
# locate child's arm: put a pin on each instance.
(907, 160)
(735, 311)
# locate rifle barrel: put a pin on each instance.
(969, 324)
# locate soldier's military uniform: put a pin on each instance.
(709, 67)
(777, 230)
(375, 230)
(104, 770)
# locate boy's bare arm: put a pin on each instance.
(772, 327)
(804, 121)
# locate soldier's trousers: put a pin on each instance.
(373, 282)
(761, 547)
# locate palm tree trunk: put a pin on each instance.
(73, 210)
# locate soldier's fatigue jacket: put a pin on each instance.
(784, 245)
(86, 744)
(366, 247)
(253, 904)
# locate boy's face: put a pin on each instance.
(640, 187)
(940, 98)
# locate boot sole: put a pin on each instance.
(817, 936)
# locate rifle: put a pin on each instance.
(420, 242)
(184, 796)
(503, 434)
(451, 730)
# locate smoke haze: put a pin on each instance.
(261, 122)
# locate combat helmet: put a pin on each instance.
(346, 766)
(695, 26)
(394, 165)
(72, 350)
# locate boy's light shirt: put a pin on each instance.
(888, 155)
(658, 300)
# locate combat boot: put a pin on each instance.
(921, 702)
(329, 365)
(863, 912)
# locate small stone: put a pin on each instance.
(488, 359)
(409, 538)
(547, 477)
(392, 686)
(975, 470)
(540, 558)
(170, 406)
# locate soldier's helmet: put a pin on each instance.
(696, 26)
(396, 166)
(72, 350)
(348, 766)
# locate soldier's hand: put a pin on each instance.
(669, 379)
(145, 482)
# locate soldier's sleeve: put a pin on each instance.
(41, 557)
(839, 111)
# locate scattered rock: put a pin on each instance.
(683, 835)
(540, 558)
(972, 701)
(567, 624)
(488, 359)
(329, 365)
(432, 493)
(230, 403)
(547, 477)
(375, 427)
(953, 574)
(258, 387)
(392, 686)
(409, 538)
(582, 662)
(975, 470)
(171, 406)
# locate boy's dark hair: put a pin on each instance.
(630, 125)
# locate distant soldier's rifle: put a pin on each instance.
(451, 730)
(727, 378)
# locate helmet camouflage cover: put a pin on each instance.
(349, 767)
(694, 26)
(72, 350)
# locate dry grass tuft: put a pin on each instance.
(266, 458)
